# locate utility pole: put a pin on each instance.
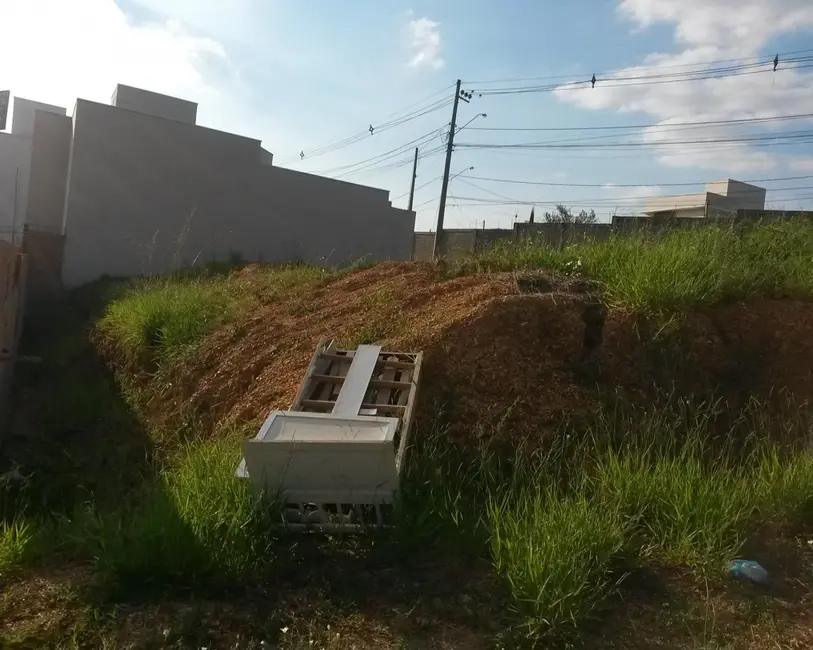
(414, 174)
(445, 187)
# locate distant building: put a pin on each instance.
(721, 200)
(137, 187)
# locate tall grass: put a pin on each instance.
(197, 525)
(161, 318)
(563, 525)
(684, 267)
(557, 555)
(687, 512)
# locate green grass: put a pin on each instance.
(16, 537)
(557, 556)
(560, 525)
(689, 514)
(159, 318)
(683, 268)
(165, 317)
(564, 524)
(196, 525)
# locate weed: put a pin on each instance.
(16, 537)
(374, 332)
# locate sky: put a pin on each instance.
(306, 77)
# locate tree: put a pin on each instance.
(564, 214)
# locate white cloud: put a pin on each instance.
(708, 31)
(423, 39)
(628, 199)
(85, 47)
(631, 193)
(746, 25)
(801, 164)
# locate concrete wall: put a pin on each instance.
(742, 195)
(562, 234)
(47, 184)
(462, 243)
(15, 161)
(675, 202)
(150, 103)
(770, 216)
(148, 194)
(456, 244)
(422, 246)
(25, 112)
(15, 165)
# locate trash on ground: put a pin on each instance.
(748, 570)
(335, 457)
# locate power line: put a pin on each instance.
(395, 165)
(538, 154)
(426, 137)
(483, 189)
(670, 128)
(420, 187)
(755, 59)
(703, 123)
(609, 185)
(384, 126)
(425, 203)
(791, 136)
(589, 200)
(712, 73)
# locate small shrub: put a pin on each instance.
(16, 538)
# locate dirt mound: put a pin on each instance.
(257, 364)
(502, 353)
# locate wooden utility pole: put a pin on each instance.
(445, 187)
(414, 174)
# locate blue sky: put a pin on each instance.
(301, 76)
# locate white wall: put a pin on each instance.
(15, 163)
(675, 202)
(148, 194)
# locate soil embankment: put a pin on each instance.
(504, 353)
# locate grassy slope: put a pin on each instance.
(650, 492)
